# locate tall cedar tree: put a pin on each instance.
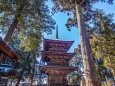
(80, 9)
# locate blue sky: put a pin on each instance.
(61, 19)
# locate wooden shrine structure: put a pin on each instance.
(55, 54)
(6, 52)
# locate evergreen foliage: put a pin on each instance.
(23, 22)
(82, 13)
(103, 39)
(25, 15)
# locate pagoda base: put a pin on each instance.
(57, 75)
(56, 85)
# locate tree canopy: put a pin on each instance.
(25, 15)
(23, 22)
(103, 38)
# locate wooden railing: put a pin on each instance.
(58, 64)
(57, 85)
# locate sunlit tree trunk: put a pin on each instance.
(113, 71)
(88, 62)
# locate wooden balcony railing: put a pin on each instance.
(57, 85)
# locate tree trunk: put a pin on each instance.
(32, 75)
(31, 79)
(33, 70)
(88, 62)
(18, 82)
(20, 76)
(11, 30)
(113, 72)
(14, 23)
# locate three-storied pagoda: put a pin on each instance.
(55, 54)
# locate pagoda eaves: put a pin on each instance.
(50, 54)
(67, 68)
(57, 44)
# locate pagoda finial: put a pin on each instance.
(57, 37)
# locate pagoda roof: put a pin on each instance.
(58, 67)
(64, 55)
(8, 50)
(71, 68)
(48, 42)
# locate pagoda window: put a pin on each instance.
(47, 59)
(47, 49)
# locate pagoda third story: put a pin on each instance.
(55, 54)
